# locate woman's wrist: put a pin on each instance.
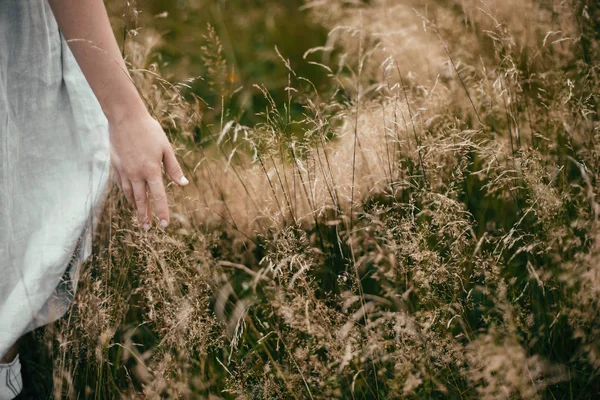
(117, 112)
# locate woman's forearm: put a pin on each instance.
(139, 146)
(85, 25)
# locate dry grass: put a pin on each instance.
(431, 233)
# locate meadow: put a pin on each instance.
(389, 199)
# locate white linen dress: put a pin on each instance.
(54, 169)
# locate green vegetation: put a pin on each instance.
(248, 33)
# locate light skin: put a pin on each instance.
(138, 143)
(12, 353)
(139, 146)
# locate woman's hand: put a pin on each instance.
(139, 145)
(139, 149)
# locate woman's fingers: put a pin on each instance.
(160, 200)
(117, 176)
(141, 202)
(136, 190)
(173, 168)
(128, 192)
(148, 211)
(125, 187)
(140, 152)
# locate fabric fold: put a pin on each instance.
(54, 169)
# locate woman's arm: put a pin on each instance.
(139, 145)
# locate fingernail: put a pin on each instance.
(164, 223)
(184, 181)
(146, 227)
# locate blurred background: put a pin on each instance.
(248, 31)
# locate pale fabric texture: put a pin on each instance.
(54, 168)
(11, 381)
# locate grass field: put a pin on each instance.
(389, 199)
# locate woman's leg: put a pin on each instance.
(11, 381)
(10, 356)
